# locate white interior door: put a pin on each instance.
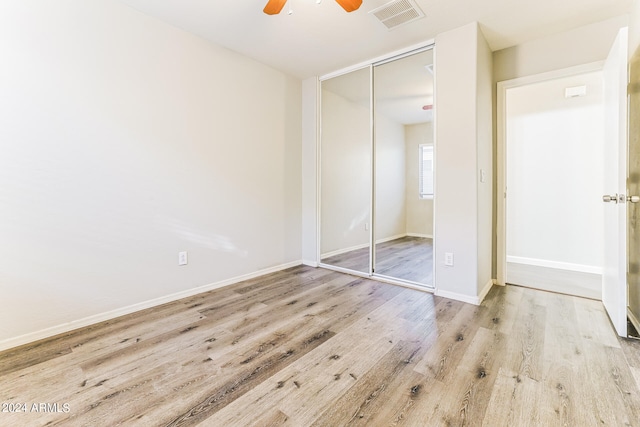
(614, 282)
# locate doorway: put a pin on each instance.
(554, 133)
(619, 176)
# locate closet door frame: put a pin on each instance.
(415, 49)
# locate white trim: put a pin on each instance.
(318, 218)
(554, 74)
(434, 222)
(365, 245)
(109, 315)
(388, 239)
(379, 59)
(467, 298)
(403, 283)
(425, 45)
(555, 264)
(633, 319)
(310, 263)
(577, 283)
(501, 189)
(345, 270)
(342, 251)
(501, 239)
(424, 236)
(379, 278)
(458, 297)
(485, 291)
(372, 170)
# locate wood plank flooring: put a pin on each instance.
(312, 347)
(406, 258)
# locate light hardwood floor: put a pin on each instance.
(311, 347)
(406, 258)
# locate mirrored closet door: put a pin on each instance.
(376, 170)
(403, 152)
(345, 174)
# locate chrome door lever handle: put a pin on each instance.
(607, 198)
(633, 199)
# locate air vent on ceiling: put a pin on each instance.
(397, 13)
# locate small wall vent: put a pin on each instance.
(397, 13)
(573, 92)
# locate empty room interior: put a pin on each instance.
(319, 213)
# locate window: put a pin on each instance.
(426, 171)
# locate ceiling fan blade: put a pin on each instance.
(274, 7)
(349, 5)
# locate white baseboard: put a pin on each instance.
(109, 315)
(309, 263)
(390, 238)
(467, 298)
(633, 319)
(485, 291)
(424, 236)
(458, 297)
(356, 247)
(560, 280)
(343, 251)
(366, 245)
(555, 264)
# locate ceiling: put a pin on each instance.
(321, 38)
(402, 88)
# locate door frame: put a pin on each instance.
(501, 144)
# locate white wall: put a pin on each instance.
(125, 140)
(390, 213)
(309, 236)
(462, 65)
(484, 171)
(583, 45)
(419, 211)
(634, 28)
(346, 173)
(555, 171)
(455, 172)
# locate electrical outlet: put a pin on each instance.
(448, 259)
(182, 258)
(366, 226)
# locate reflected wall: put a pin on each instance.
(345, 177)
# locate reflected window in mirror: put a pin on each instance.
(426, 171)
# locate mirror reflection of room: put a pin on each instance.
(345, 217)
(402, 187)
(404, 168)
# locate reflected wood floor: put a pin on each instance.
(312, 347)
(407, 258)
